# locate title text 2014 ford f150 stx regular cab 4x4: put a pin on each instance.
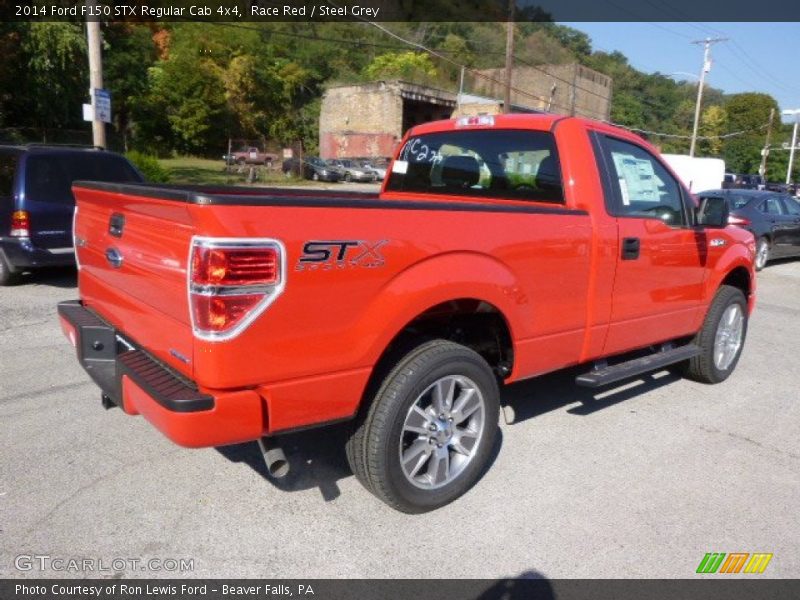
(499, 248)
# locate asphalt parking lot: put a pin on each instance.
(639, 481)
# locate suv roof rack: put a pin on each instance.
(58, 145)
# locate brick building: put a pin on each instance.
(568, 89)
(369, 119)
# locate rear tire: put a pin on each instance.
(428, 432)
(7, 276)
(762, 253)
(721, 339)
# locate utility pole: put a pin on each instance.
(706, 68)
(509, 56)
(460, 88)
(796, 114)
(94, 40)
(762, 170)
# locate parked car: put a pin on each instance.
(312, 167)
(351, 171)
(318, 170)
(750, 182)
(37, 205)
(377, 166)
(405, 311)
(772, 218)
(729, 181)
(250, 156)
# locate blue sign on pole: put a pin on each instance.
(102, 105)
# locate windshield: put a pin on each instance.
(487, 163)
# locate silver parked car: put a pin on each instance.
(352, 171)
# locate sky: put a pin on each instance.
(760, 57)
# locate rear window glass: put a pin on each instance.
(8, 166)
(500, 163)
(737, 202)
(49, 178)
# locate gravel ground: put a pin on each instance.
(638, 481)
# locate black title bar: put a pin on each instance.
(399, 10)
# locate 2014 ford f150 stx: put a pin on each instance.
(499, 248)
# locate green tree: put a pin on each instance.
(747, 113)
(129, 53)
(54, 85)
(400, 65)
(713, 123)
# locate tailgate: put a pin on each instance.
(132, 253)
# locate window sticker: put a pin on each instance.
(639, 178)
(623, 187)
(400, 167)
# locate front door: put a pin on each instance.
(658, 286)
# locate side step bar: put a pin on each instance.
(610, 374)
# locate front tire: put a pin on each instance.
(762, 253)
(721, 339)
(429, 430)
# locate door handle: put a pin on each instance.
(630, 248)
(114, 257)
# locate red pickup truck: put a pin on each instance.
(499, 248)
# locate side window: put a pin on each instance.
(791, 205)
(46, 181)
(644, 188)
(8, 167)
(772, 206)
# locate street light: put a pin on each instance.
(796, 114)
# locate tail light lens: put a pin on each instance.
(736, 220)
(231, 282)
(20, 224)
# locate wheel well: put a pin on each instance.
(467, 321)
(739, 278)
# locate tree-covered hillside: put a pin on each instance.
(186, 88)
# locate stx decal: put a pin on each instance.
(327, 255)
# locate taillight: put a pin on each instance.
(231, 282)
(740, 221)
(20, 224)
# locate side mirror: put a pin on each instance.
(712, 212)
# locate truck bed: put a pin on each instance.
(474, 249)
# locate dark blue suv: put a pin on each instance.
(36, 202)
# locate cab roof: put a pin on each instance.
(532, 121)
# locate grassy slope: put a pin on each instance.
(188, 169)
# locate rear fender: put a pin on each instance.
(439, 279)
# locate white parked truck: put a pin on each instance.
(699, 174)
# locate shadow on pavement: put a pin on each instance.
(62, 277)
(528, 585)
(316, 457)
(528, 399)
